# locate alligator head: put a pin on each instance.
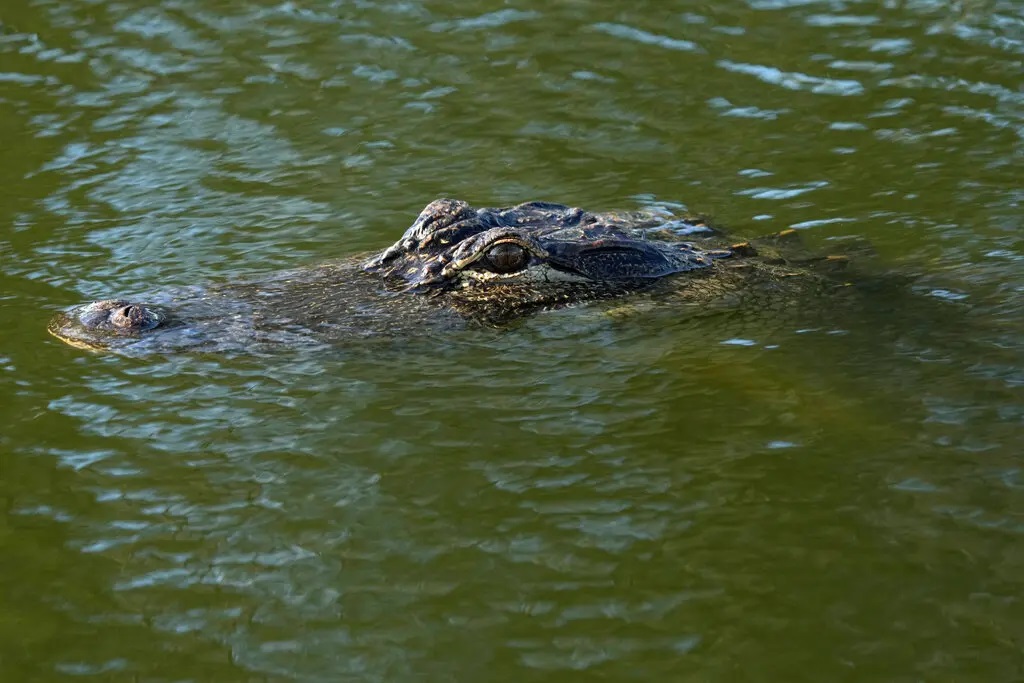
(487, 265)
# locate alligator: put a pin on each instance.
(455, 265)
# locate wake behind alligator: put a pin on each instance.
(455, 265)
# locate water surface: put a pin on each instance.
(802, 492)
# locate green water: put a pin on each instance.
(804, 494)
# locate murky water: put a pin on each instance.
(797, 493)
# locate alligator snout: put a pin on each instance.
(117, 315)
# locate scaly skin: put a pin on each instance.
(454, 265)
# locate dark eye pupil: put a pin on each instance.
(507, 258)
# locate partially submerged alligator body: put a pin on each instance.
(454, 264)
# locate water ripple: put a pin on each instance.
(635, 34)
(485, 21)
(795, 80)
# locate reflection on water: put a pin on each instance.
(793, 492)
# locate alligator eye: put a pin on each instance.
(507, 257)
